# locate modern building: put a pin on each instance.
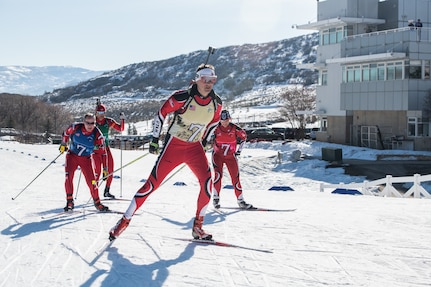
(374, 85)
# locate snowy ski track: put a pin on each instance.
(330, 240)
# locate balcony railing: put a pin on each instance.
(414, 34)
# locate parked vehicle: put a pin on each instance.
(313, 133)
(289, 133)
(129, 141)
(310, 133)
(248, 131)
(264, 134)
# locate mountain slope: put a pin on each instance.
(38, 80)
(240, 69)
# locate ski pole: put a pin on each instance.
(121, 172)
(13, 198)
(77, 186)
(120, 168)
(172, 175)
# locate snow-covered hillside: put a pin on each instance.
(34, 81)
(240, 69)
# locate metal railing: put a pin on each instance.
(421, 34)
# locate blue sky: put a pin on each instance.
(109, 34)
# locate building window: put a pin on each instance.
(390, 71)
(394, 70)
(373, 72)
(324, 39)
(357, 73)
(427, 69)
(324, 124)
(350, 74)
(413, 69)
(344, 74)
(340, 35)
(365, 73)
(381, 72)
(399, 71)
(324, 78)
(417, 127)
(332, 36)
(387, 71)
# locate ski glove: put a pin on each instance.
(122, 116)
(105, 174)
(237, 153)
(63, 147)
(154, 146)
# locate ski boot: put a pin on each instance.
(216, 202)
(118, 228)
(69, 205)
(244, 205)
(198, 232)
(99, 206)
(106, 193)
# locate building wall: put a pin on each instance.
(392, 124)
(338, 130)
(384, 103)
(378, 95)
(405, 94)
(328, 101)
(347, 8)
(398, 12)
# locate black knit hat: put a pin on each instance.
(225, 115)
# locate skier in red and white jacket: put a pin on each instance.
(82, 137)
(228, 142)
(196, 114)
(104, 124)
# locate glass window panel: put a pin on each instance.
(324, 78)
(373, 72)
(427, 69)
(366, 74)
(390, 71)
(423, 129)
(325, 39)
(414, 69)
(398, 72)
(411, 130)
(344, 74)
(357, 73)
(332, 36)
(381, 72)
(350, 74)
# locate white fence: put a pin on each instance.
(369, 187)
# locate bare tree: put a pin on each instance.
(30, 115)
(300, 102)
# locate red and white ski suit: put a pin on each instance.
(225, 147)
(195, 117)
(98, 156)
(79, 154)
